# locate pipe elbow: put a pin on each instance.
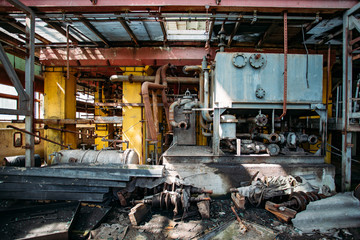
(188, 69)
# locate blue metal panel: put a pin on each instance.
(238, 85)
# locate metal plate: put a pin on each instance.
(238, 85)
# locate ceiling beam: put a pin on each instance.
(95, 31)
(131, 56)
(58, 28)
(163, 29)
(266, 34)
(185, 5)
(21, 27)
(129, 31)
(11, 41)
(236, 28)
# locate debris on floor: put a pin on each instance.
(339, 211)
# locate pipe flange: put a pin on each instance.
(257, 60)
(273, 149)
(261, 120)
(239, 60)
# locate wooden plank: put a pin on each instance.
(62, 181)
(284, 214)
(238, 200)
(138, 213)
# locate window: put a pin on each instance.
(17, 140)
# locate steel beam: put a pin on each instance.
(58, 28)
(236, 28)
(130, 56)
(163, 29)
(24, 97)
(129, 31)
(185, 5)
(95, 31)
(266, 34)
(11, 21)
(11, 41)
(347, 94)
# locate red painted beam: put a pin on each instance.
(153, 56)
(4, 79)
(183, 5)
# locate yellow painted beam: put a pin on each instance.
(59, 102)
(132, 129)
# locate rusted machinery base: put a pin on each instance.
(198, 167)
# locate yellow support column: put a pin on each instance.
(132, 128)
(102, 129)
(59, 103)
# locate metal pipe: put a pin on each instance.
(148, 113)
(155, 100)
(67, 53)
(33, 134)
(272, 138)
(285, 64)
(201, 77)
(124, 78)
(205, 114)
(163, 74)
(69, 131)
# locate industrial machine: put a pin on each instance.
(254, 109)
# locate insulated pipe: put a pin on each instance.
(132, 78)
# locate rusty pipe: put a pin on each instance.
(272, 138)
(205, 114)
(132, 78)
(285, 64)
(155, 100)
(163, 74)
(69, 131)
(38, 136)
(201, 77)
(171, 113)
(148, 113)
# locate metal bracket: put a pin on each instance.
(354, 23)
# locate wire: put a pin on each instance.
(339, 155)
(307, 56)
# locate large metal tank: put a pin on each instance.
(250, 80)
(129, 156)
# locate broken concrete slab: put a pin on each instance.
(339, 211)
(232, 231)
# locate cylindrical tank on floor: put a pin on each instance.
(129, 156)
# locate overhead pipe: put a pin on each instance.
(132, 78)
